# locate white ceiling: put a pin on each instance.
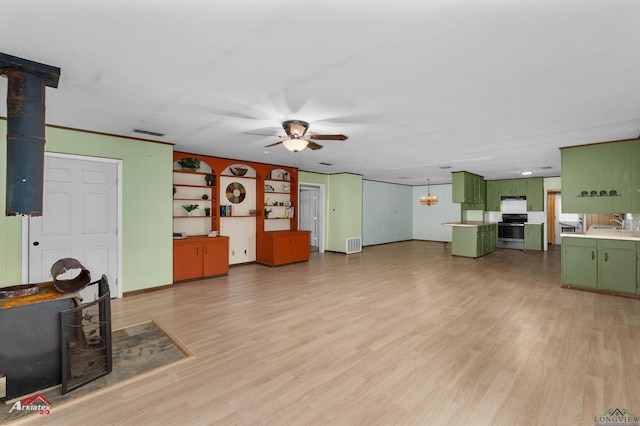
(488, 86)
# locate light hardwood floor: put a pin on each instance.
(401, 333)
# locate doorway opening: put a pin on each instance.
(311, 214)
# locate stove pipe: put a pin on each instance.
(25, 132)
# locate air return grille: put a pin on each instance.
(354, 245)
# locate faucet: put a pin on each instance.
(618, 220)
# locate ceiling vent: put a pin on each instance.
(148, 132)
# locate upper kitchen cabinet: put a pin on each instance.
(599, 178)
(468, 188)
(635, 178)
(531, 188)
(535, 194)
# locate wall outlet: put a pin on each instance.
(3, 386)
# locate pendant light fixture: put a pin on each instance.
(428, 200)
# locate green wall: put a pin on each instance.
(343, 207)
(147, 245)
(345, 210)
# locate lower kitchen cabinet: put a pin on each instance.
(199, 257)
(473, 240)
(580, 262)
(533, 236)
(617, 265)
(605, 264)
(282, 247)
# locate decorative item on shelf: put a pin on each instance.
(428, 200)
(236, 192)
(285, 176)
(209, 180)
(290, 212)
(205, 196)
(286, 187)
(252, 212)
(226, 211)
(189, 163)
(238, 171)
(207, 211)
(269, 188)
(267, 212)
(190, 208)
(287, 203)
(213, 233)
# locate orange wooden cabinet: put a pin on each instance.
(198, 257)
(282, 247)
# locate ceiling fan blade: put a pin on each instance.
(266, 131)
(327, 137)
(273, 144)
(313, 145)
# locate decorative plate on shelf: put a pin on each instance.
(236, 192)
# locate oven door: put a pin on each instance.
(511, 235)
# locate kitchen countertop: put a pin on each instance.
(610, 234)
(469, 223)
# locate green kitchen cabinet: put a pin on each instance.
(535, 194)
(533, 236)
(635, 178)
(467, 188)
(602, 263)
(531, 188)
(493, 195)
(519, 187)
(617, 265)
(638, 267)
(601, 178)
(473, 241)
(580, 261)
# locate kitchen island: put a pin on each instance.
(603, 260)
(473, 238)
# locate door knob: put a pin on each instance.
(36, 243)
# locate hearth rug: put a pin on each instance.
(137, 350)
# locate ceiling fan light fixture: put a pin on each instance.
(295, 144)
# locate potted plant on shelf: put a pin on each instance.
(190, 208)
(209, 180)
(189, 163)
(267, 212)
(207, 211)
(205, 196)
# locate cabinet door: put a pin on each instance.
(635, 177)
(535, 195)
(622, 159)
(532, 236)
(493, 196)
(282, 249)
(215, 259)
(587, 170)
(187, 261)
(617, 265)
(519, 187)
(300, 246)
(458, 187)
(579, 262)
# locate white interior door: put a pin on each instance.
(79, 220)
(310, 214)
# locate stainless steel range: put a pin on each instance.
(511, 230)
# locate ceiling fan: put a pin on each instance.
(297, 138)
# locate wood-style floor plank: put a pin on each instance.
(401, 333)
